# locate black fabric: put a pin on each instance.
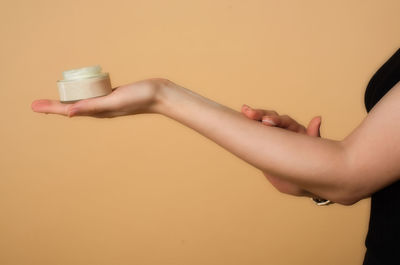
(383, 238)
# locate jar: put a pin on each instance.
(83, 83)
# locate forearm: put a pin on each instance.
(315, 164)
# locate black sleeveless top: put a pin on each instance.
(383, 238)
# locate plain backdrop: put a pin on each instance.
(145, 189)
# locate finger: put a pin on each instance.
(313, 128)
(92, 106)
(50, 106)
(278, 122)
(270, 120)
(286, 122)
(257, 114)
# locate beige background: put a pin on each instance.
(146, 190)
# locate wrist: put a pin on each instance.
(162, 95)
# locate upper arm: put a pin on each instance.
(373, 148)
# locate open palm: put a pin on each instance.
(128, 99)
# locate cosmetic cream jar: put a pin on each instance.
(83, 83)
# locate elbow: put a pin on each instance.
(348, 196)
(346, 190)
(348, 201)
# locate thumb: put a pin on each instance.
(313, 128)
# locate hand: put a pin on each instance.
(271, 118)
(134, 98)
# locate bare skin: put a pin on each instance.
(343, 171)
(272, 118)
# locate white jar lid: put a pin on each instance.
(82, 73)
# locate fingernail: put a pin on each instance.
(269, 121)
